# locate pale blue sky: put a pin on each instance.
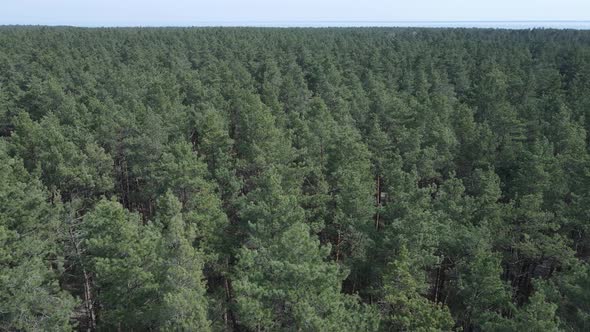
(219, 12)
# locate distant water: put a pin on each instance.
(580, 25)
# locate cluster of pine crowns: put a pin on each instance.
(265, 179)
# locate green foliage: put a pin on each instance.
(288, 285)
(30, 294)
(408, 309)
(537, 315)
(182, 290)
(485, 295)
(571, 291)
(294, 179)
(75, 168)
(120, 253)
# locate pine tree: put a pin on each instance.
(571, 291)
(181, 285)
(121, 257)
(282, 280)
(407, 309)
(288, 285)
(30, 294)
(352, 194)
(75, 169)
(537, 315)
(483, 294)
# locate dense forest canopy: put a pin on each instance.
(250, 179)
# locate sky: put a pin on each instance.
(249, 12)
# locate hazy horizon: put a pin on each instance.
(497, 24)
(117, 13)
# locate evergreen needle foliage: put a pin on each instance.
(250, 179)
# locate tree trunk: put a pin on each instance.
(88, 301)
(378, 202)
(338, 246)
